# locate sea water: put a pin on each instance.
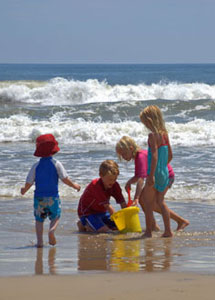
(89, 108)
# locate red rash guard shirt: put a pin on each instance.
(95, 196)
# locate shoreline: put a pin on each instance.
(109, 286)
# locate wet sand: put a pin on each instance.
(110, 286)
(111, 267)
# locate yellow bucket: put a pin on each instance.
(127, 219)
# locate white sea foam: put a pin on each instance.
(22, 128)
(60, 91)
(183, 193)
(200, 193)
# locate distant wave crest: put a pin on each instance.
(60, 91)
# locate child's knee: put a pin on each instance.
(80, 226)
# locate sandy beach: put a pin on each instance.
(109, 286)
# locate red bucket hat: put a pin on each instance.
(46, 145)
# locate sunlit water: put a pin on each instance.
(89, 108)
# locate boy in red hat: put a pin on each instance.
(45, 174)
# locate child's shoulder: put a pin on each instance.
(142, 153)
(35, 164)
(152, 138)
(56, 162)
(94, 184)
(95, 181)
(158, 138)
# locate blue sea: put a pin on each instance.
(89, 108)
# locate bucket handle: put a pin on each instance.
(130, 202)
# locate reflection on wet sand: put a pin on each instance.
(141, 254)
(157, 255)
(125, 255)
(93, 252)
(51, 261)
(118, 253)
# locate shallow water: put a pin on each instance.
(192, 250)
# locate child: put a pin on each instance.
(127, 149)
(157, 182)
(45, 174)
(94, 207)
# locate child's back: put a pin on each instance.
(46, 173)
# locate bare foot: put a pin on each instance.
(52, 239)
(182, 225)
(167, 234)
(156, 228)
(39, 245)
(146, 235)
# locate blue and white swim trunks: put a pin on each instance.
(47, 207)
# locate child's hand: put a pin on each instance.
(135, 202)
(22, 191)
(150, 180)
(109, 208)
(128, 186)
(26, 188)
(77, 187)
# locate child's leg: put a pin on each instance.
(165, 214)
(155, 226)
(104, 229)
(182, 223)
(53, 225)
(39, 233)
(146, 201)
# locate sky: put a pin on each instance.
(107, 31)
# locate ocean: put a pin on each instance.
(89, 108)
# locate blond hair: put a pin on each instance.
(109, 167)
(152, 118)
(126, 143)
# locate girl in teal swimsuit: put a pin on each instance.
(159, 155)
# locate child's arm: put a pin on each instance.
(139, 187)
(154, 151)
(109, 208)
(29, 179)
(26, 188)
(138, 191)
(131, 181)
(170, 155)
(69, 182)
(65, 178)
(123, 205)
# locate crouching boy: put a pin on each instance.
(94, 209)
